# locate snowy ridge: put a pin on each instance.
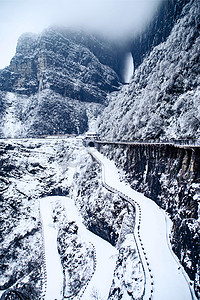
(169, 281)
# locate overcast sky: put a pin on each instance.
(116, 18)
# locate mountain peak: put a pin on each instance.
(64, 61)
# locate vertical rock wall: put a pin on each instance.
(169, 175)
(158, 30)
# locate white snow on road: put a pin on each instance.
(54, 271)
(106, 254)
(169, 279)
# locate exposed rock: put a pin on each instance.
(50, 80)
(162, 100)
(72, 64)
(158, 30)
(170, 176)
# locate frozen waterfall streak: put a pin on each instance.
(54, 288)
(151, 234)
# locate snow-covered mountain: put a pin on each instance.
(52, 78)
(72, 64)
(166, 16)
(163, 98)
(52, 189)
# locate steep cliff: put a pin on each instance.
(169, 175)
(64, 62)
(55, 82)
(162, 100)
(158, 30)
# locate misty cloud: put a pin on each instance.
(114, 18)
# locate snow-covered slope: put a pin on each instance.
(163, 99)
(29, 170)
(46, 113)
(33, 173)
(32, 169)
(153, 226)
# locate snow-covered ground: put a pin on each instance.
(44, 165)
(11, 126)
(106, 254)
(54, 289)
(169, 279)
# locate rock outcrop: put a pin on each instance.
(72, 64)
(52, 80)
(170, 176)
(162, 100)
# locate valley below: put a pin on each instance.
(100, 162)
(57, 203)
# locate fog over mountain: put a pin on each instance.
(113, 18)
(77, 77)
(162, 100)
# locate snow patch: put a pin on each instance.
(12, 127)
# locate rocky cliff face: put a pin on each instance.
(170, 176)
(52, 79)
(158, 30)
(63, 61)
(162, 100)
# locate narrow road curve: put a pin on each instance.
(149, 283)
(165, 277)
(105, 255)
(54, 281)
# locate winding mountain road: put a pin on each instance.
(54, 273)
(105, 254)
(165, 278)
